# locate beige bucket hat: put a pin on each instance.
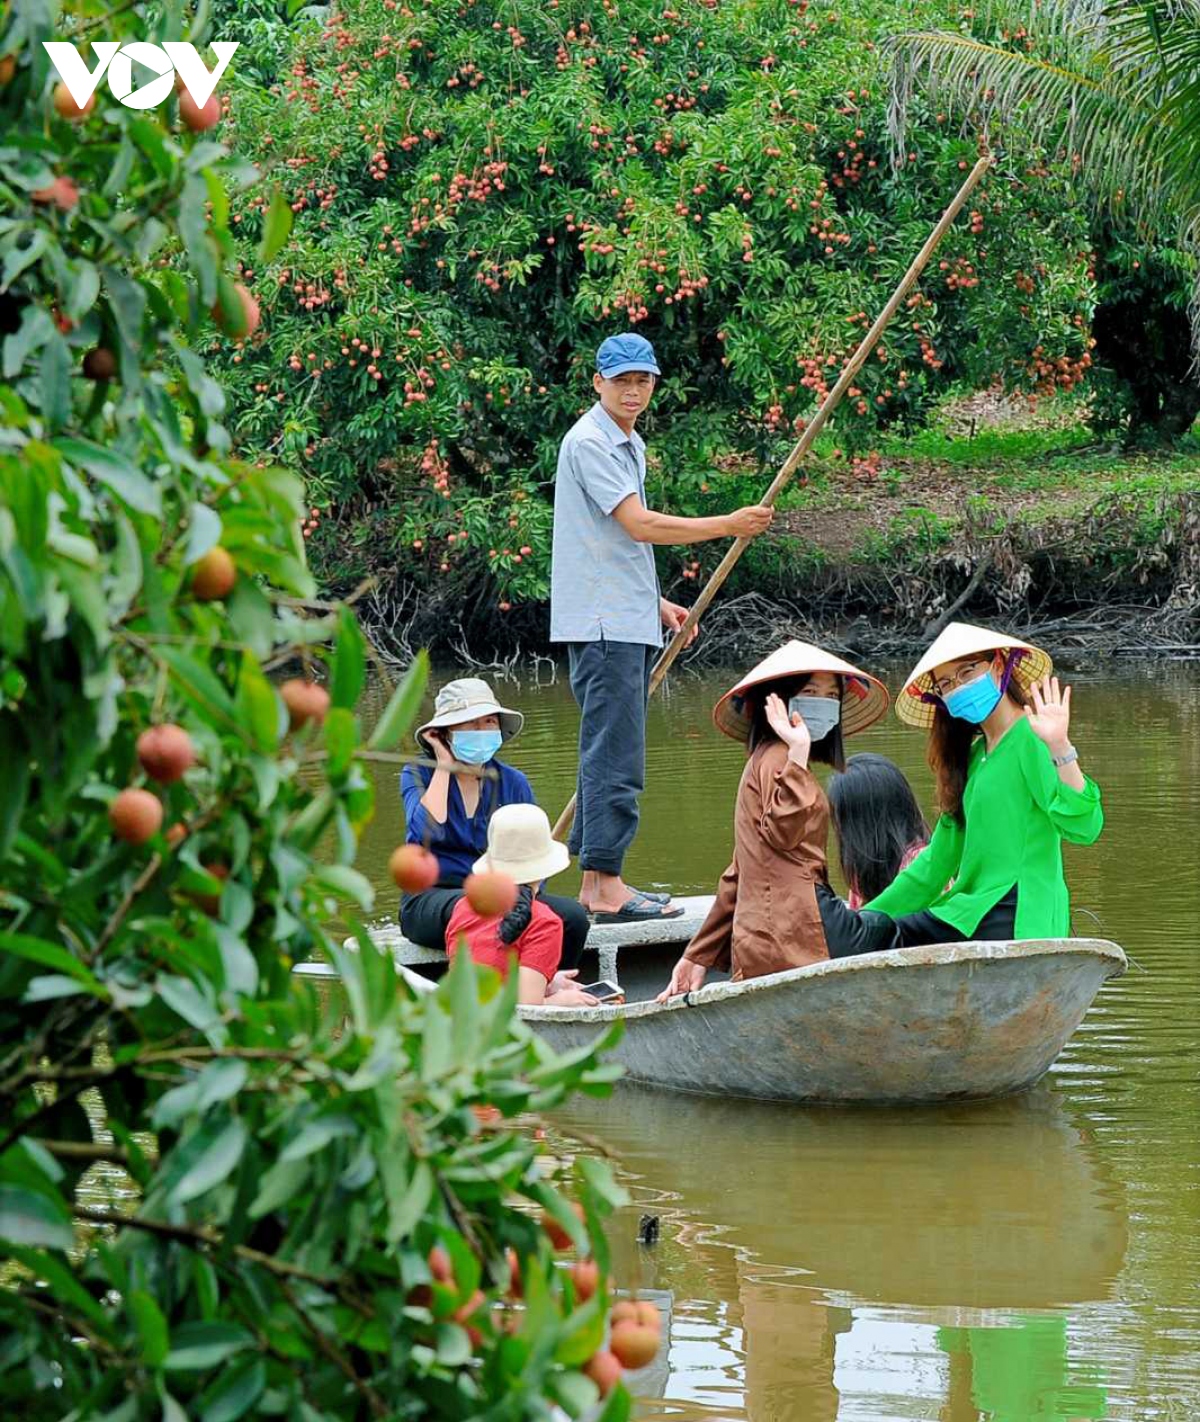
(520, 845)
(463, 700)
(963, 639)
(864, 698)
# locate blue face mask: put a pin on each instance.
(819, 713)
(975, 701)
(475, 747)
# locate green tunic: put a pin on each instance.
(1017, 814)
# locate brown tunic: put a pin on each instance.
(765, 916)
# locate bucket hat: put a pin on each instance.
(864, 698)
(520, 845)
(915, 705)
(463, 700)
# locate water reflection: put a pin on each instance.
(876, 1264)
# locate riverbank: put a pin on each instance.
(994, 514)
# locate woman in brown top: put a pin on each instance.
(793, 708)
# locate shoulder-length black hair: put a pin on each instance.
(828, 750)
(876, 818)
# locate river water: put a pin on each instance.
(1034, 1258)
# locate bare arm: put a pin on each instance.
(645, 525)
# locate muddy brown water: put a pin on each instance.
(1035, 1258)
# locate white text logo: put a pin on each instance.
(165, 61)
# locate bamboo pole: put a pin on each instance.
(806, 440)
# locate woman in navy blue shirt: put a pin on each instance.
(449, 812)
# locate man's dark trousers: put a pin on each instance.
(611, 685)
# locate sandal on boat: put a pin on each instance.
(637, 909)
(652, 894)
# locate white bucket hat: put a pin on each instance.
(864, 698)
(464, 700)
(520, 845)
(962, 639)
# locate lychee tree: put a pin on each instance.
(221, 1195)
(482, 191)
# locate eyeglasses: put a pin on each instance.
(967, 672)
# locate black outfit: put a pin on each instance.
(424, 916)
(849, 931)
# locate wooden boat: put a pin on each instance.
(937, 1023)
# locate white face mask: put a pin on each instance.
(819, 713)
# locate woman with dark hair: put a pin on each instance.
(449, 810)
(877, 823)
(792, 709)
(1009, 789)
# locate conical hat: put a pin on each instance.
(962, 639)
(864, 699)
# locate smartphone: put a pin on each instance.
(603, 990)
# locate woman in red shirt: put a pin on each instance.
(521, 847)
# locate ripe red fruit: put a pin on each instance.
(634, 1345)
(8, 67)
(440, 1265)
(638, 1311)
(100, 364)
(214, 575)
(199, 117)
(250, 313)
(471, 1307)
(604, 1369)
(135, 816)
(177, 833)
(64, 103)
(516, 1285)
(413, 868)
(62, 192)
(305, 701)
(586, 1277)
(165, 752)
(490, 895)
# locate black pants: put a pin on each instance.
(423, 919)
(611, 685)
(849, 931)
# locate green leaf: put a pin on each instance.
(115, 472)
(35, 330)
(83, 290)
(235, 1393)
(204, 532)
(197, 1346)
(219, 1081)
(19, 259)
(201, 687)
(28, 1217)
(347, 883)
(49, 955)
(350, 661)
(403, 705)
(63, 1285)
(257, 706)
(277, 227)
(56, 382)
(618, 1408)
(404, 1210)
(185, 999)
(216, 1152)
(193, 228)
(54, 985)
(317, 1135)
(282, 1182)
(151, 1327)
(341, 740)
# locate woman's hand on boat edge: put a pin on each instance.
(687, 977)
(563, 991)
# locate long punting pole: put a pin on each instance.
(805, 442)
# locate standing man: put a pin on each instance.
(606, 606)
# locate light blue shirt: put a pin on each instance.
(603, 584)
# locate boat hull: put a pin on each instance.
(938, 1023)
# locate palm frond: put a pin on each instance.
(1113, 83)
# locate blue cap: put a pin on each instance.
(625, 352)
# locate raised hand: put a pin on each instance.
(791, 730)
(1050, 714)
(441, 748)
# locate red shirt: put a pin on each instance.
(539, 947)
